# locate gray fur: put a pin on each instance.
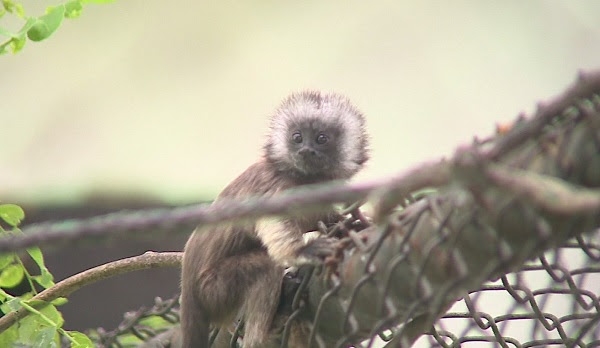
(240, 267)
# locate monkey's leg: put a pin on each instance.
(260, 306)
(194, 321)
(251, 280)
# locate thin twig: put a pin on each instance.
(67, 286)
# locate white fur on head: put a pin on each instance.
(328, 107)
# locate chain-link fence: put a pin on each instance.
(505, 252)
(551, 301)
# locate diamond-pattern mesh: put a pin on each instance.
(506, 254)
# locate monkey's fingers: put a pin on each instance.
(318, 249)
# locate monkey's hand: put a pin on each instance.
(317, 250)
(287, 247)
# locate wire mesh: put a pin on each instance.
(477, 263)
(552, 300)
(136, 328)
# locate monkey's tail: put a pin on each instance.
(195, 324)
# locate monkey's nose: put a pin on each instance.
(308, 152)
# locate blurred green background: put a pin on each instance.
(171, 99)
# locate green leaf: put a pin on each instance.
(12, 7)
(33, 329)
(36, 303)
(11, 305)
(27, 328)
(45, 25)
(80, 340)
(36, 255)
(11, 276)
(59, 301)
(16, 44)
(11, 213)
(20, 11)
(9, 337)
(28, 24)
(73, 9)
(53, 314)
(8, 4)
(5, 260)
(46, 337)
(45, 278)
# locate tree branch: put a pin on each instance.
(67, 286)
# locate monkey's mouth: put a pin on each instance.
(310, 161)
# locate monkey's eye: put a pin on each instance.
(297, 137)
(321, 139)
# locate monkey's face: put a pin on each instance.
(313, 147)
(317, 137)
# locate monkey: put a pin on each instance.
(230, 269)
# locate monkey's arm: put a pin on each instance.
(287, 247)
